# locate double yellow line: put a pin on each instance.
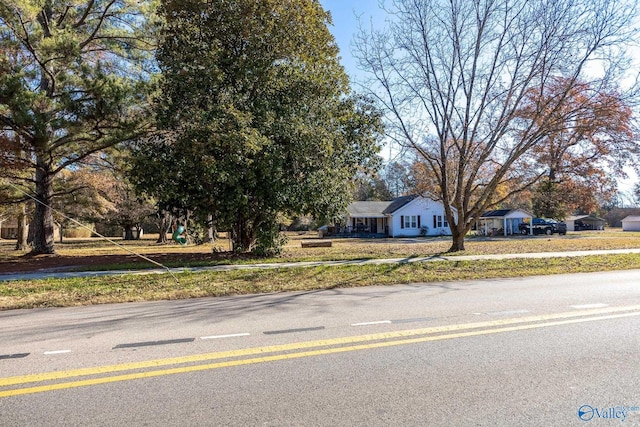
(298, 350)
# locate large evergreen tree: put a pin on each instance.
(72, 79)
(257, 116)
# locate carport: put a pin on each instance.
(592, 222)
(502, 221)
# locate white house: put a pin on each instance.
(631, 223)
(406, 216)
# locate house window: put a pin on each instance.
(410, 221)
(437, 221)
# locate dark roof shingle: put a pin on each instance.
(398, 203)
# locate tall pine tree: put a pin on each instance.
(73, 79)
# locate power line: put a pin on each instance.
(93, 231)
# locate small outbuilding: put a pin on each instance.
(584, 222)
(503, 222)
(8, 228)
(631, 223)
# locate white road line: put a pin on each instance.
(583, 306)
(508, 312)
(57, 352)
(371, 323)
(215, 337)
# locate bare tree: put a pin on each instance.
(455, 78)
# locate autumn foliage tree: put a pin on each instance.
(131, 209)
(592, 143)
(82, 197)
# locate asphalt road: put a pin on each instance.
(555, 350)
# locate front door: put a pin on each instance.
(374, 225)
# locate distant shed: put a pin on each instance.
(631, 223)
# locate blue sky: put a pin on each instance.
(345, 15)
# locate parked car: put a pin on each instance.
(579, 226)
(544, 226)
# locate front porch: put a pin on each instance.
(360, 227)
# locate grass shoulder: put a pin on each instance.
(129, 288)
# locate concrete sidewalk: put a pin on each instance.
(67, 274)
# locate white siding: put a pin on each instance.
(424, 209)
(631, 224)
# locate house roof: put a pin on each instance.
(368, 209)
(398, 203)
(378, 209)
(631, 218)
(580, 217)
(501, 213)
(6, 222)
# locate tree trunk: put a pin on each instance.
(23, 232)
(128, 232)
(211, 230)
(244, 236)
(164, 223)
(162, 238)
(457, 233)
(43, 224)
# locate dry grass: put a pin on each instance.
(353, 248)
(128, 288)
(125, 288)
(392, 248)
